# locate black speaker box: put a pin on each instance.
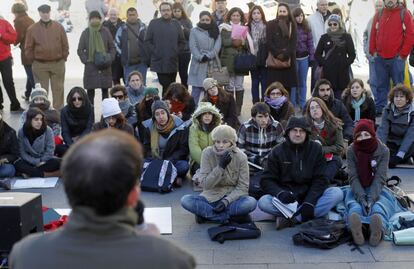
(20, 215)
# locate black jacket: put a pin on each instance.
(296, 168)
(9, 147)
(228, 109)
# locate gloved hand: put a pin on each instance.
(394, 160)
(225, 160)
(286, 197)
(220, 207)
(205, 59)
(307, 211)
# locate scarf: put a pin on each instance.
(337, 37)
(79, 118)
(284, 25)
(214, 99)
(364, 150)
(277, 103)
(31, 133)
(176, 106)
(356, 105)
(211, 28)
(96, 43)
(319, 125)
(124, 106)
(156, 131)
(258, 32)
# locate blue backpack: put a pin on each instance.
(158, 176)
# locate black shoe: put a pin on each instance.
(5, 184)
(282, 223)
(241, 219)
(200, 219)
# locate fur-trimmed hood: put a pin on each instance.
(204, 107)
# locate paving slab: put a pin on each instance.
(383, 265)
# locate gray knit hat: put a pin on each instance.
(224, 132)
(209, 83)
(37, 92)
(159, 104)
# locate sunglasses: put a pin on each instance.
(77, 99)
(118, 97)
(332, 24)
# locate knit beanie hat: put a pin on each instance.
(335, 18)
(224, 132)
(159, 104)
(151, 90)
(364, 125)
(209, 83)
(110, 107)
(38, 91)
(297, 122)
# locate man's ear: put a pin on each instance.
(133, 197)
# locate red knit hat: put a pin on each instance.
(364, 125)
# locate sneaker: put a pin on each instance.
(5, 184)
(356, 229)
(282, 223)
(375, 228)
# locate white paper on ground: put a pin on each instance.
(286, 209)
(35, 183)
(161, 217)
(63, 211)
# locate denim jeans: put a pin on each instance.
(142, 68)
(181, 166)
(385, 70)
(330, 198)
(30, 84)
(259, 77)
(7, 170)
(196, 92)
(199, 205)
(298, 94)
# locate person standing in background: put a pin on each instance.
(220, 12)
(98, 5)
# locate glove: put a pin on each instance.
(205, 59)
(286, 197)
(306, 210)
(394, 160)
(220, 207)
(3, 161)
(225, 160)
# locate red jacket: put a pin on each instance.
(389, 40)
(7, 37)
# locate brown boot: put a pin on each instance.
(375, 228)
(356, 229)
(52, 174)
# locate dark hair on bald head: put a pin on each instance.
(101, 169)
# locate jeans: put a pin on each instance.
(142, 68)
(30, 84)
(7, 170)
(385, 70)
(183, 62)
(7, 76)
(182, 167)
(196, 92)
(372, 80)
(330, 198)
(259, 77)
(165, 79)
(199, 206)
(24, 167)
(235, 88)
(298, 94)
(332, 167)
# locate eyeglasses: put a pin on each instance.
(77, 99)
(332, 24)
(118, 97)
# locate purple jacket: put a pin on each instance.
(304, 44)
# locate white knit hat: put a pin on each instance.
(38, 91)
(110, 107)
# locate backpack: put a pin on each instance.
(322, 233)
(158, 176)
(234, 231)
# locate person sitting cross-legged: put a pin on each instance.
(295, 172)
(225, 181)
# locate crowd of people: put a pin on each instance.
(275, 154)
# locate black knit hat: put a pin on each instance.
(297, 122)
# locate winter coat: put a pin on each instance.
(41, 150)
(69, 124)
(52, 117)
(336, 67)
(201, 44)
(281, 45)
(367, 108)
(8, 37)
(94, 78)
(381, 156)
(101, 125)
(186, 26)
(164, 39)
(228, 52)
(316, 22)
(397, 129)
(390, 39)
(122, 47)
(227, 109)
(282, 114)
(330, 138)
(177, 144)
(21, 24)
(299, 169)
(88, 236)
(9, 148)
(304, 44)
(231, 183)
(113, 28)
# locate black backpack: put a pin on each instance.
(158, 176)
(322, 233)
(234, 231)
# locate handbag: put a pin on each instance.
(218, 72)
(244, 62)
(319, 69)
(274, 63)
(102, 60)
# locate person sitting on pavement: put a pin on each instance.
(323, 90)
(397, 126)
(101, 230)
(277, 98)
(120, 94)
(9, 150)
(135, 88)
(367, 202)
(112, 117)
(326, 130)
(36, 147)
(182, 103)
(143, 109)
(296, 173)
(224, 177)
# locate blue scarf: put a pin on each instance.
(277, 103)
(356, 105)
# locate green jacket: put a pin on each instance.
(228, 52)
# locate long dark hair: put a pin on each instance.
(250, 19)
(184, 15)
(83, 95)
(233, 10)
(223, 96)
(290, 21)
(178, 91)
(28, 129)
(304, 25)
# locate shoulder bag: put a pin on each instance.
(218, 72)
(274, 63)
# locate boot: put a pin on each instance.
(52, 174)
(375, 228)
(282, 223)
(239, 101)
(356, 229)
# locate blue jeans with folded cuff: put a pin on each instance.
(196, 93)
(199, 206)
(259, 80)
(330, 198)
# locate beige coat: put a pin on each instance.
(232, 182)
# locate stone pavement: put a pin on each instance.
(274, 249)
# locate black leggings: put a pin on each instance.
(23, 167)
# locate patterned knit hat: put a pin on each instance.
(159, 104)
(38, 92)
(151, 90)
(224, 132)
